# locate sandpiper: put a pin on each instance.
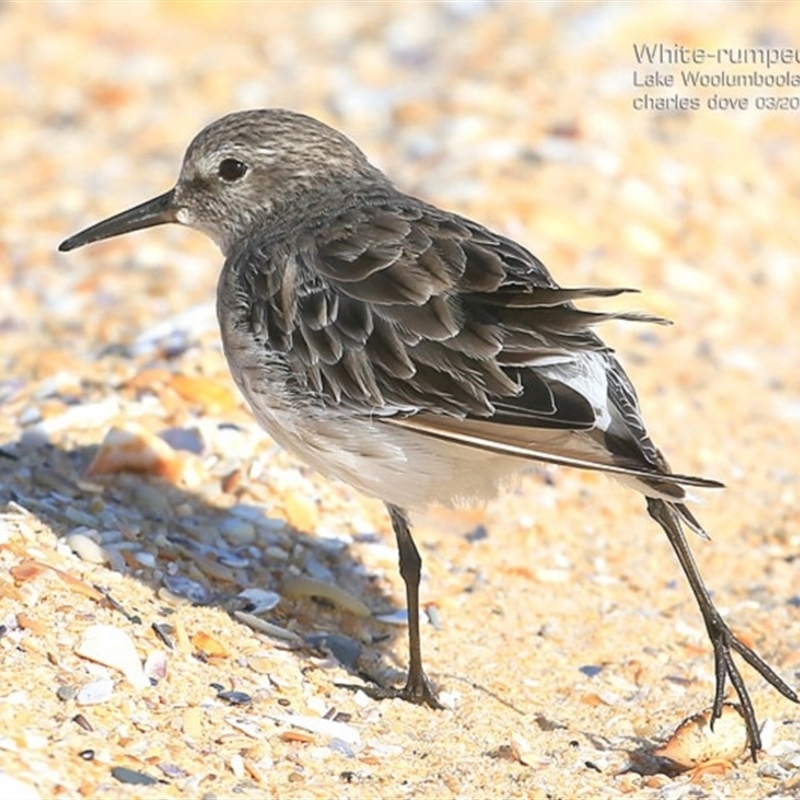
(411, 352)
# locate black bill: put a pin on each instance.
(158, 211)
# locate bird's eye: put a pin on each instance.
(231, 169)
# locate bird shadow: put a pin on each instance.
(196, 562)
(47, 480)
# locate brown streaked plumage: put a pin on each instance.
(411, 352)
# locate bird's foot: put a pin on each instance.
(725, 643)
(417, 690)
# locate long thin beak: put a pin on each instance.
(158, 211)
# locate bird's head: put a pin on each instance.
(243, 171)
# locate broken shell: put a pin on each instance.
(522, 750)
(112, 647)
(269, 628)
(695, 743)
(132, 448)
(319, 725)
(155, 666)
(301, 586)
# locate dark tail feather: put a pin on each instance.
(690, 520)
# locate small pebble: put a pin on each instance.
(35, 437)
(332, 540)
(181, 586)
(235, 698)
(238, 531)
(65, 692)
(477, 534)
(317, 570)
(96, 692)
(76, 515)
(273, 524)
(260, 600)
(188, 439)
(275, 553)
(29, 415)
(86, 549)
(172, 771)
(113, 536)
(151, 501)
(145, 558)
(233, 560)
(133, 777)
(345, 650)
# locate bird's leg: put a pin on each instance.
(417, 689)
(721, 636)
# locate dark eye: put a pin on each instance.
(230, 169)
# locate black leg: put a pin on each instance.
(721, 636)
(417, 689)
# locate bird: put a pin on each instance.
(411, 352)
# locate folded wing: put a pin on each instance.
(405, 314)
